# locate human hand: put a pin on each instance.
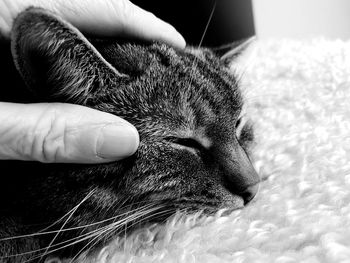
(103, 18)
(58, 132)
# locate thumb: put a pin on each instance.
(64, 133)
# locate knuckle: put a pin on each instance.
(46, 142)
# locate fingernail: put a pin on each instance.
(117, 141)
(181, 41)
(176, 38)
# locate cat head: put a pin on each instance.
(186, 105)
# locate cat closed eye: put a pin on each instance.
(189, 143)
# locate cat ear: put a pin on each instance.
(229, 52)
(56, 61)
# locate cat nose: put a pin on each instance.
(249, 193)
(240, 177)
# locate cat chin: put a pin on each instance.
(146, 237)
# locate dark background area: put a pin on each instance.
(232, 19)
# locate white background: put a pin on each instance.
(302, 18)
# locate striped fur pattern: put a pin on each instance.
(193, 150)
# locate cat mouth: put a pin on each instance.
(206, 208)
(202, 204)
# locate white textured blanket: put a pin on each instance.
(298, 93)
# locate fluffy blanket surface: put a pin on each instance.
(298, 94)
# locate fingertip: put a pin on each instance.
(146, 25)
(175, 39)
(168, 34)
(182, 41)
(136, 137)
(117, 142)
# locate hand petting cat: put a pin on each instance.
(57, 132)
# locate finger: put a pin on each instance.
(103, 18)
(146, 25)
(7, 14)
(119, 17)
(63, 133)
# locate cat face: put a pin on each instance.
(185, 104)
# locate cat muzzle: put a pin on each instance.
(240, 176)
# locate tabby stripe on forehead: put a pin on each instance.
(213, 105)
(195, 69)
(220, 83)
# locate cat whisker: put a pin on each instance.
(207, 25)
(67, 214)
(78, 240)
(141, 212)
(155, 201)
(200, 43)
(40, 233)
(153, 216)
(54, 245)
(111, 228)
(97, 235)
(68, 218)
(68, 243)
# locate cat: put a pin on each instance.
(194, 144)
